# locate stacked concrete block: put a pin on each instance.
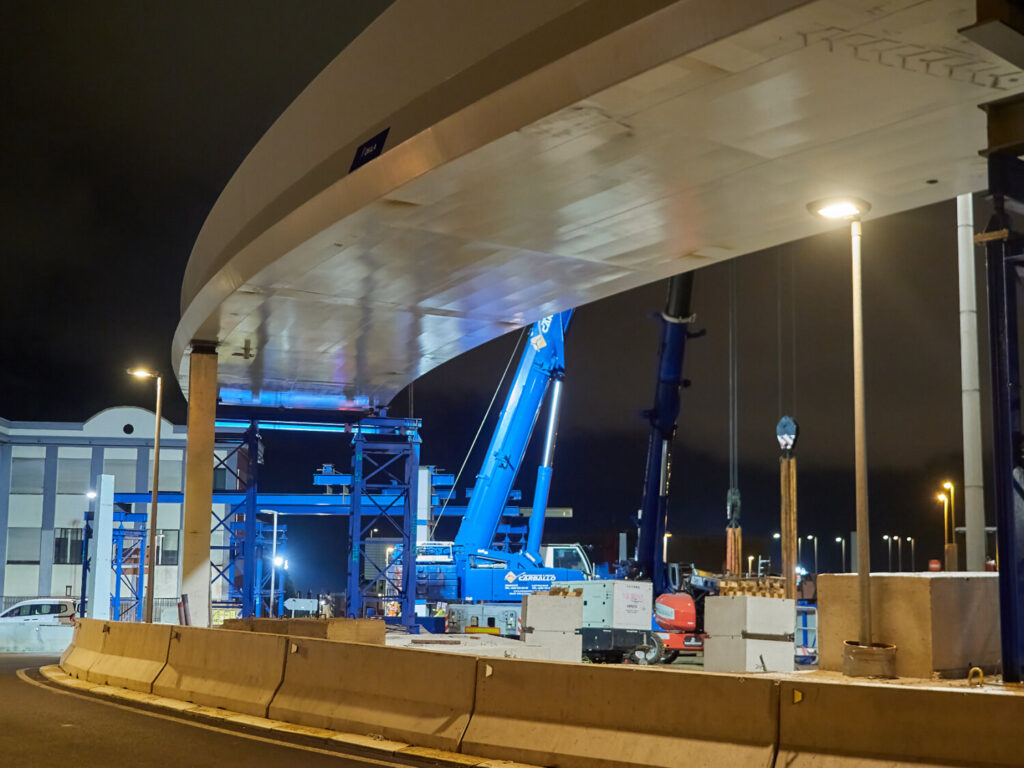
(552, 622)
(749, 634)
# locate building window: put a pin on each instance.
(23, 546)
(220, 479)
(67, 546)
(167, 547)
(73, 475)
(27, 475)
(123, 471)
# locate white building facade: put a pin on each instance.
(46, 472)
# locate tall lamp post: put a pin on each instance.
(899, 553)
(952, 551)
(147, 610)
(851, 209)
(841, 541)
(911, 540)
(888, 540)
(815, 540)
(945, 526)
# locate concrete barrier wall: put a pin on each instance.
(221, 668)
(577, 715)
(421, 697)
(33, 637)
(837, 725)
(131, 656)
(86, 646)
(339, 630)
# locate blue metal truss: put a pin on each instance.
(129, 545)
(385, 471)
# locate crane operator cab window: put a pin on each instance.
(570, 557)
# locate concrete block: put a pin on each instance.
(552, 613)
(734, 615)
(132, 656)
(942, 623)
(419, 697)
(613, 716)
(834, 725)
(86, 646)
(222, 668)
(560, 646)
(369, 631)
(737, 654)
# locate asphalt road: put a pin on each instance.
(47, 727)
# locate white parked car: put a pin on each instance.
(41, 610)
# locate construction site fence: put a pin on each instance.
(551, 713)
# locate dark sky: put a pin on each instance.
(124, 120)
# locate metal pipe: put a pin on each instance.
(151, 541)
(974, 488)
(535, 528)
(860, 439)
(273, 565)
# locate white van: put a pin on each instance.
(41, 610)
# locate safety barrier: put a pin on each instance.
(555, 714)
(838, 725)
(221, 668)
(86, 646)
(131, 656)
(33, 637)
(421, 697)
(570, 715)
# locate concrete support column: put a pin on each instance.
(5, 500)
(195, 545)
(974, 490)
(46, 533)
(100, 546)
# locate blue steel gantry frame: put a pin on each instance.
(1004, 252)
(385, 472)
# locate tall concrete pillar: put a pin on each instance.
(974, 489)
(195, 545)
(101, 544)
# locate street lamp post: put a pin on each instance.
(815, 540)
(750, 566)
(952, 553)
(842, 542)
(852, 209)
(945, 517)
(888, 540)
(899, 553)
(147, 610)
(911, 540)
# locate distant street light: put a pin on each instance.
(147, 614)
(815, 540)
(911, 540)
(90, 495)
(888, 539)
(948, 485)
(945, 517)
(840, 540)
(750, 566)
(899, 553)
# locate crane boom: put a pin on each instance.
(542, 362)
(663, 417)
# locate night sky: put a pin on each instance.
(122, 123)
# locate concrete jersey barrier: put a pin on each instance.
(421, 697)
(86, 646)
(222, 668)
(132, 655)
(595, 716)
(839, 725)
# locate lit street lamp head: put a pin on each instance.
(90, 494)
(947, 485)
(941, 497)
(141, 373)
(839, 208)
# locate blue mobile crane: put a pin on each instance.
(471, 569)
